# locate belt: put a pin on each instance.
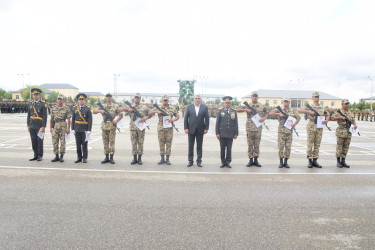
(57, 121)
(79, 122)
(36, 117)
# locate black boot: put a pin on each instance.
(34, 158)
(339, 165)
(315, 163)
(40, 157)
(286, 163)
(310, 164)
(62, 158)
(140, 160)
(111, 159)
(56, 158)
(134, 161)
(162, 161)
(343, 163)
(256, 163)
(251, 163)
(78, 160)
(167, 161)
(281, 163)
(106, 159)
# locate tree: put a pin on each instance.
(53, 96)
(27, 91)
(5, 94)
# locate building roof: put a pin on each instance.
(369, 98)
(93, 93)
(47, 91)
(58, 86)
(293, 94)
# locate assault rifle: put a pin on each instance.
(136, 113)
(348, 123)
(164, 114)
(254, 111)
(108, 116)
(286, 116)
(316, 115)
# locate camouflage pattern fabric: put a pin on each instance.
(343, 135)
(253, 142)
(108, 129)
(262, 111)
(314, 134)
(285, 135)
(165, 135)
(143, 110)
(58, 134)
(137, 138)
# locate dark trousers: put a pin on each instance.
(81, 144)
(36, 142)
(226, 143)
(192, 138)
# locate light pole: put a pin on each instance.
(115, 85)
(372, 85)
(23, 85)
(298, 90)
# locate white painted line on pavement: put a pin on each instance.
(173, 172)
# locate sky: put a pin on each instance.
(230, 47)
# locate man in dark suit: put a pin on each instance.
(226, 130)
(196, 124)
(37, 122)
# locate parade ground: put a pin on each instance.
(122, 206)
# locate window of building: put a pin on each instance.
(274, 102)
(152, 101)
(267, 102)
(306, 102)
(17, 97)
(281, 102)
(332, 104)
(322, 103)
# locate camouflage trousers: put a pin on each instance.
(342, 146)
(285, 144)
(137, 137)
(314, 138)
(165, 136)
(109, 138)
(253, 143)
(58, 136)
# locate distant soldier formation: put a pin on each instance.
(76, 119)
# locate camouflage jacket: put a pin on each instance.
(143, 110)
(341, 130)
(321, 111)
(262, 111)
(290, 112)
(113, 111)
(60, 115)
(170, 111)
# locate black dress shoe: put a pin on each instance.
(78, 160)
(222, 165)
(84, 160)
(34, 158)
(40, 158)
(190, 163)
(228, 165)
(199, 164)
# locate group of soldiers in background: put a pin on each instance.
(14, 107)
(81, 124)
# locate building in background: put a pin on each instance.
(298, 98)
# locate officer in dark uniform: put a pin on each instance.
(226, 130)
(37, 121)
(81, 126)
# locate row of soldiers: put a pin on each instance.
(13, 107)
(139, 113)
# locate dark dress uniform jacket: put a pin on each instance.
(79, 124)
(227, 123)
(37, 115)
(196, 123)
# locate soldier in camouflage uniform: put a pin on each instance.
(314, 134)
(254, 134)
(165, 135)
(58, 127)
(136, 135)
(109, 127)
(342, 133)
(285, 135)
